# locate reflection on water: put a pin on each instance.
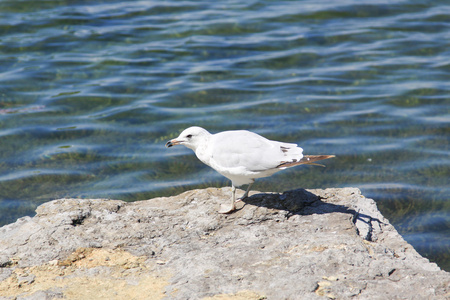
(90, 92)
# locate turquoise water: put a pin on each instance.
(91, 91)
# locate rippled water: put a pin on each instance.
(91, 91)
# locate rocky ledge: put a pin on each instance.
(301, 244)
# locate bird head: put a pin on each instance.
(191, 137)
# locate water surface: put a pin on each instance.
(90, 92)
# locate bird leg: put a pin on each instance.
(225, 209)
(246, 192)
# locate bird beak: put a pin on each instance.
(171, 143)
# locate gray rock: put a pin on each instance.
(308, 244)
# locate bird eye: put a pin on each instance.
(189, 136)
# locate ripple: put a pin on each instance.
(90, 92)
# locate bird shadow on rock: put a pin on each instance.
(303, 202)
(296, 202)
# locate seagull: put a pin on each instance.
(242, 156)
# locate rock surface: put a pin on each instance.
(302, 244)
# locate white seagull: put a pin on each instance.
(242, 156)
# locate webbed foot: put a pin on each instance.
(240, 199)
(226, 209)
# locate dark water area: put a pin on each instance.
(91, 91)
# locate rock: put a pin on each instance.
(309, 244)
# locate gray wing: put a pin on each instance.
(231, 149)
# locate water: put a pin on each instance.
(90, 92)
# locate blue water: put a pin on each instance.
(91, 91)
